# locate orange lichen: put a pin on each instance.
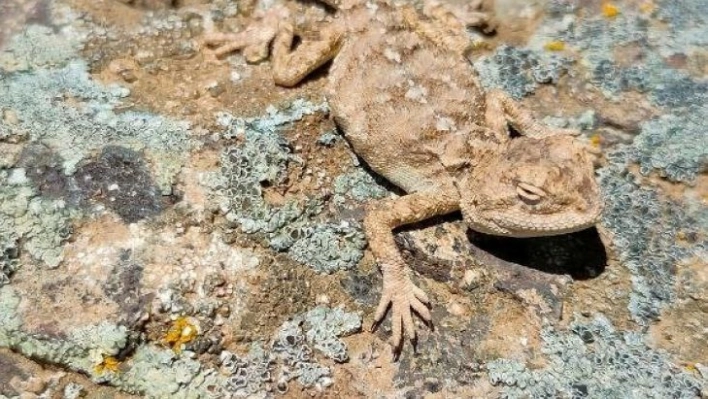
(610, 10)
(109, 365)
(181, 332)
(555, 45)
(596, 140)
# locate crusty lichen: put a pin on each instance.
(519, 71)
(94, 350)
(41, 224)
(262, 158)
(592, 360)
(645, 229)
(291, 355)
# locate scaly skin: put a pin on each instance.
(408, 101)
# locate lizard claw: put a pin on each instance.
(403, 297)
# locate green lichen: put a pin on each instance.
(291, 355)
(339, 247)
(65, 109)
(592, 360)
(92, 350)
(262, 159)
(82, 350)
(10, 321)
(358, 186)
(519, 71)
(645, 228)
(40, 224)
(597, 40)
(160, 373)
(675, 146)
(38, 46)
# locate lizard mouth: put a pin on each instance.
(515, 223)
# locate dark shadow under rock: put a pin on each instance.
(580, 255)
(536, 271)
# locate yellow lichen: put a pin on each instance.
(109, 365)
(182, 331)
(596, 140)
(555, 45)
(610, 10)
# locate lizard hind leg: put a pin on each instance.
(254, 41)
(399, 292)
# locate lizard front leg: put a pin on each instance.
(290, 67)
(399, 292)
(501, 108)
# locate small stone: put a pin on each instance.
(322, 299)
(34, 385)
(224, 311)
(125, 69)
(215, 89)
(10, 117)
(73, 390)
(456, 308)
(472, 279)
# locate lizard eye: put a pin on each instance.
(529, 194)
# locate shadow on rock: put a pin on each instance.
(580, 255)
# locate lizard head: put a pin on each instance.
(536, 187)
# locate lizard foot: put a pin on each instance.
(254, 41)
(403, 297)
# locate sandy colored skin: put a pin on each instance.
(408, 101)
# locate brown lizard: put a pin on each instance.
(409, 102)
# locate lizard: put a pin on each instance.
(409, 102)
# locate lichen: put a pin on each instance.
(8, 255)
(262, 160)
(160, 373)
(339, 247)
(519, 71)
(357, 185)
(65, 109)
(598, 39)
(250, 374)
(324, 327)
(328, 139)
(592, 360)
(29, 222)
(291, 356)
(124, 181)
(84, 349)
(38, 46)
(645, 229)
(95, 350)
(675, 146)
(48, 99)
(10, 321)
(182, 331)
